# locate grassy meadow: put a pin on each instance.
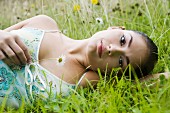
(80, 19)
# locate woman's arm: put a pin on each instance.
(12, 49)
(155, 76)
(17, 26)
(40, 21)
(154, 79)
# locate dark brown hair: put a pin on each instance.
(145, 68)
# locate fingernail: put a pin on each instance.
(29, 61)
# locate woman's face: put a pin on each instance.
(116, 48)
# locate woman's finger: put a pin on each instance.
(2, 56)
(11, 55)
(19, 52)
(5, 59)
(8, 62)
(24, 52)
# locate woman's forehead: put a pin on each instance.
(138, 52)
(130, 32)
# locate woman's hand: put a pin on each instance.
(116, 27)
(155, 76)
(154, 79)
(12, 49)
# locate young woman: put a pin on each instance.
(36, 56)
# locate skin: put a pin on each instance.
(11, 45)
(118, 45)
(80, 54)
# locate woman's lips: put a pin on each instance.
(100, 49)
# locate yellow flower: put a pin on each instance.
(94, 2)
(76, 7)
(32, 5)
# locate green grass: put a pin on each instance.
(149, 16)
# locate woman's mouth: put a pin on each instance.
(100, 49)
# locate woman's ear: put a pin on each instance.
(116, 27)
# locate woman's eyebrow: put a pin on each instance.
(127, 60)
(130, 40)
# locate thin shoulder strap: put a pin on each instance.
(51, 31)
(81, 79)
(47, 31)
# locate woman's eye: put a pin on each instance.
(122, 40)
(121, 61)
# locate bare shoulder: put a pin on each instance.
(42, 22)
(90, 77)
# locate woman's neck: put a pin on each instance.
(77, 49)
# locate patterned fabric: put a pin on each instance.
(25, 83)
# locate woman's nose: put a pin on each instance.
(115, 49)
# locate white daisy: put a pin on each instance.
(61, 60)
(65, 31)
(99, 20)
